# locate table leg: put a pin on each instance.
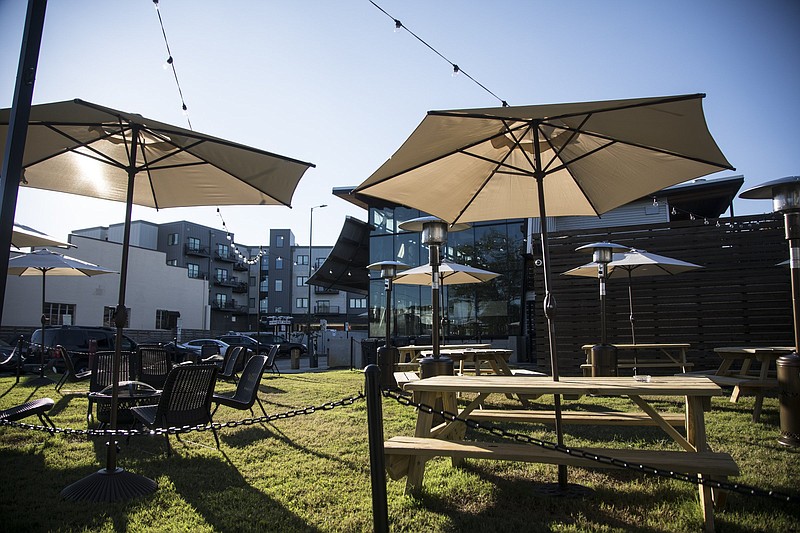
(416, 463)
(762, 376)
(696, 435)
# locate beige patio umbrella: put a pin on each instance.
(581, 158)
(83, 148)
(27, 237)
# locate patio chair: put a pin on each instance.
(185, 401)
(102, 377)
(247, 389)
(35, 407)
(70, 374)
(271, 356)
(232, 365)
(153, 363)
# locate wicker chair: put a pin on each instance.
(35, 407)
(153, 363)
(70, 374)
(102, 377)
(185, 401)
(247, 389)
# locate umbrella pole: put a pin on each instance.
(113, 483)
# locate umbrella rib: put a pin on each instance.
(98, 156)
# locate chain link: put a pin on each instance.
(188, 429)
(576, 452)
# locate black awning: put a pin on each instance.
(345, 269)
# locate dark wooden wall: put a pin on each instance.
(740, 296)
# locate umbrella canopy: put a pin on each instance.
(44, 261)
(83, 148)
(450, 274)
(27, 237)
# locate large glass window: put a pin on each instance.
(279, 263)
(223, 250)
(301, 281)
(301, 303)
(193, 244)
(59, 314)
(220, 275)
(221, 300)
(193, 270)
(302, 259)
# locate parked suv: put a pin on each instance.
(76, 340)
(238, 339)
(285, 345)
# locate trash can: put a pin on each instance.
(294, 353)
(369, 351)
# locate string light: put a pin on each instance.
(456, 69)
(170, 63)
(247, 260)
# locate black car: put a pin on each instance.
(76, 340)
(238, 339)
(285, 346)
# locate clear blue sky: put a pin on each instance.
(330, 82)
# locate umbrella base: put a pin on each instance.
(39, 381)
(570, 490)
(109, 486)
(435, 366)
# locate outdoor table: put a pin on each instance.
(743, 380)
(408, 455)
(412, 351)
(675, 356)
(496, 358)
(129, 394)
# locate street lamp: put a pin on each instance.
(434, 234)
(312, 353)
(388, 354)
(785, 195)
(604, 355)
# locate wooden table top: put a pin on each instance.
(611, 386)
(420, 347)
(644, 346)
(752, 350)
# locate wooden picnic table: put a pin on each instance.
(672, 354)
(408, 455)
(745, 381)
(412, 351)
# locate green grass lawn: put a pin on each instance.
(311, 472)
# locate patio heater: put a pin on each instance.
(388, 354)
(604, 355)
(785, 195)
(434, 234)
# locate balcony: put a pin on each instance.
(199, 275)
(242, 267)
(234, 283)
(231, 307)
(228, 258)
(200, 251)
(324, 290)
(326, 309)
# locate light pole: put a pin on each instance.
(312, 353)
(785, 196)
(604, 355)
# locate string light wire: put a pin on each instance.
(171, 63)
(456, 69)
(249, 260)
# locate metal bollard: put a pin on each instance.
(377, 463)
(789, 398)
(387, 357)
(604, 360)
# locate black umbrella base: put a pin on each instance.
(109, 486)
(570, 490)
(39, 381)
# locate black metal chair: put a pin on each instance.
(70, 374)
(247, 389)
(34, 407)
(102, 377)
(233, 364)
(271, 356)
(185, 401)
(153, 363)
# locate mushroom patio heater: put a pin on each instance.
(388, 354)
(785, 195)
(434, 234)
(604, 355)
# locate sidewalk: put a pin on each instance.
(285, 365)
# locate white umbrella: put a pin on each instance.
(449, 273)
(635, 263)
(43, 262)
(27, 237)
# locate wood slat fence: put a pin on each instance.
(740, 296)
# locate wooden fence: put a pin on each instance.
(740, 296)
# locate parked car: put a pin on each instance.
(8, 357)
(196, 346)
(285, 345)
(238, 339)
(76, 340)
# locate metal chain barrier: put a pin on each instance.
(576, 452)
(188, 429)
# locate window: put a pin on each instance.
(193, 270)
(358, 303)
(301, 303)
(278, 285)
(172, 262)
(172, 239)
(279, 263)
(110, 311)
(166, 319)
(59, 314)
(220, 275)
(251, 303)
(252, 281)
(302, 259)
(323, 306)
(221, 300)
(222, 250)
(301, 280)
(194, 244)
(279, 241)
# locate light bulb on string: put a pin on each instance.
(456, 70)
(167, 64)
(397, 25)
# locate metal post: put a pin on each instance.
(312, 353)
(377, 467)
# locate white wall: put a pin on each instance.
(152, 285)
